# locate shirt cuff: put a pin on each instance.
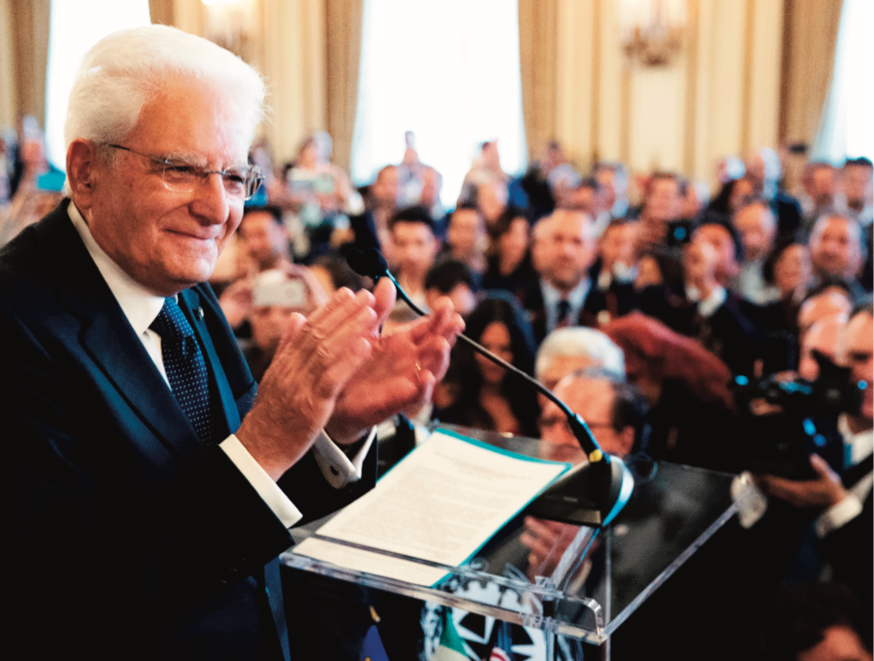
(269, 491)
(711, 304)
(838, 515)
(338, 469)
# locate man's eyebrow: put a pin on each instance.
(859, 355)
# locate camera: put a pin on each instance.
(787, 419)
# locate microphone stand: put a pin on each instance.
(591, 493)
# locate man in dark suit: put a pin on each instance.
(564, 294)
(144, 517)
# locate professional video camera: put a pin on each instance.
(787, 419)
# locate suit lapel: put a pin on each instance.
(108, 338)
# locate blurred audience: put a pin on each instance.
(453, 279)
(837, 250)
(567, 350)
(508, 258)
(487, 396)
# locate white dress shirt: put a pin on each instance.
(141, 307)
(857, 447)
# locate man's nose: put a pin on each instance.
(211, 201)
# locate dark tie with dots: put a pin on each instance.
(185, 368)
(564, 310)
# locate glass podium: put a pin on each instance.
(575, 581)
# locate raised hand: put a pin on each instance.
(315, 360)
(402, 370)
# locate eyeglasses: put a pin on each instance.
(180, 176)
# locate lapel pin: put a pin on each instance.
(198, 313)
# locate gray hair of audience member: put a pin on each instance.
(581, 341)
(129, 68)
(853, 225)
(630, 408)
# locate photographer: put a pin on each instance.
(844, 503)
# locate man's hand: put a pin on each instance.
(402, 370)
(820, 493)
(315, 360)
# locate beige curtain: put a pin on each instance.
(343, 41)
(537, 58)
(8, 88)
(811, 34)
(161, 11)
(29, 43)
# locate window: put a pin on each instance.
(76, 25)
(846, 130)
(449, 72)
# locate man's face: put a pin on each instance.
(720, 240)
(834, 248)
(593, 400)
(465, 232)
(414, 248)
(265, 240)
(663, 203)
(856, 354)
(618, 245)
(168, 240)
(823, 186)
(569, 250)
(757, 230)
(858, 185)
(792, 268)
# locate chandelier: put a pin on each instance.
(652, 30)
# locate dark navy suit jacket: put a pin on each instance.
(125, 536)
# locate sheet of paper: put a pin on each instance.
(441, 504)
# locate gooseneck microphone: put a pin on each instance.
(605, 474)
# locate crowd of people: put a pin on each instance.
(720, 324)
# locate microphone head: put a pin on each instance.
(368, 262)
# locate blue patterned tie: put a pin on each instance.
(185, 368)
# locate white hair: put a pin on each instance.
(129, 68)
(581, 341)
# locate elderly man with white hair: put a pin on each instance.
(150, 481)
(567, 350)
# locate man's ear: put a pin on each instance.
(82, 171)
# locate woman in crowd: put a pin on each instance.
(486, 396)
(661, 290)
(509, 264)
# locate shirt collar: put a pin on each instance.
(551, 295)
(856, 446)
(140, 306)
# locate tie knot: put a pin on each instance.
(171, 324)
